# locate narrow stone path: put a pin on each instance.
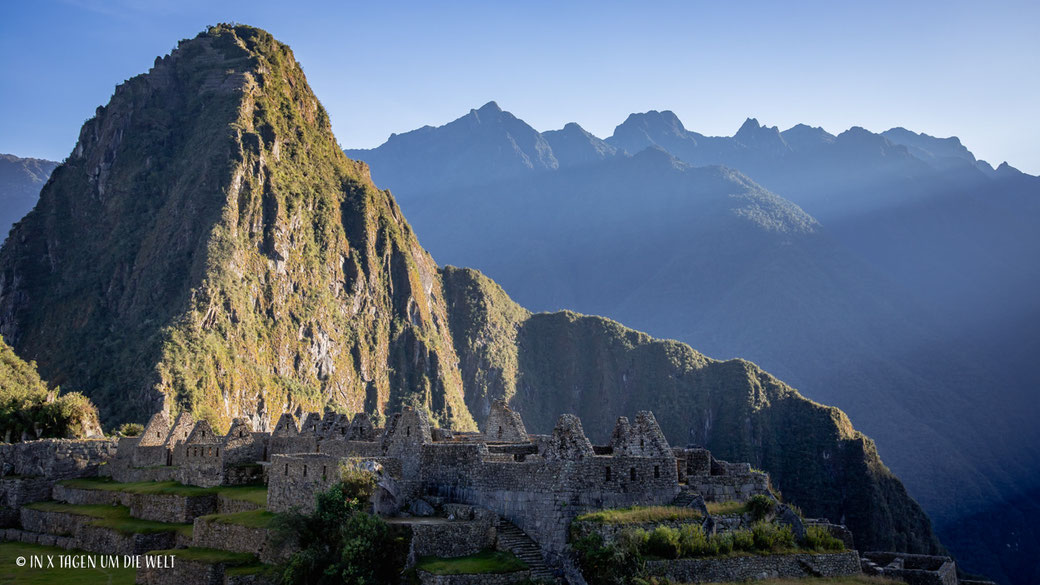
(511, 538)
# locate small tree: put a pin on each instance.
(340, 542)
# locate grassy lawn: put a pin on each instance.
(115, 517)
(256, 493)
(482, 562)
(641, 514)
(12, 574)
(732, 508)
(252, 518)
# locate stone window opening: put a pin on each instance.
(657, 472)
(202, 433)
(241, 433)
(195, 451)
(218, 452)
(305, 471)
(499, 432)
(408, 431)
(156, 433)
(607, 476)
(324, 471)
(286, 469)
(641, 443)
(632, 474)
(187, 451)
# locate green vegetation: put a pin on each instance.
(760, 507)
(641, 514)
(252, 518)
(115, 517)
(255, 493)
(623, 560)
(130, 429)
(340, 542)
(28, 406)
(12, 574)
(729, 508)
(819, 539)
(487, 561)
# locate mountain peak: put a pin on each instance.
(489, 108)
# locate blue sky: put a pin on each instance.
(968, 69)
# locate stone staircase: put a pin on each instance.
(514, 540)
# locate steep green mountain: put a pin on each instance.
(548, 363)
(31, 410)
(20, 182)
(208, 245)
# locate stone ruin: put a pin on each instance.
(501, 479)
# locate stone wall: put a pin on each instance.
(182, 572)
(438, 537)
(427, 578)
(16, 492)
(171, 507)
(55, 458)
(911, 569)
(237, 538)
(756, 567)
(294, 480)
(84, 535)
(722, 488)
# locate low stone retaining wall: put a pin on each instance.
(56, 458)
(171, 507)
(756, 567)
(238, 538)
(182, 573)
(475, 579)
(57, 523)
(106, 540)
(610, 532)
(122, 471)
(226, 505)
(89, 497)
(911, 569)
(450, 538)
(19, 491)
(18, 535)
(722, 488)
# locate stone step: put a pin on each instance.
(511, 538)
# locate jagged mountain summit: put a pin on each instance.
(208, 247)
(900, 290)
(20, 182)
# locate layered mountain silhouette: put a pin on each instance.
(207, 246)
(891, 274)
(20, 182)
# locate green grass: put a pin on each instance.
(482, 562)
(255, 493)
(731, 508)
(12, 574)
(115, 517)
(641, 514)
(250, 518)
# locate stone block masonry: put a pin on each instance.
(55, 459)
(792, 566)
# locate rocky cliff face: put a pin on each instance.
(20, 182)
(209, 246)
(548, 363)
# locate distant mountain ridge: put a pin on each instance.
(883, 299)
(20, 182)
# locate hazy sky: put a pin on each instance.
(970, 69)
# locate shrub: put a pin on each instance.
(743, 541)
(819, 539)
(771, 537)
(130, 429)
(339, 542)
(664, 543)
(760, 507)
(693, 541)
(610, 564)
